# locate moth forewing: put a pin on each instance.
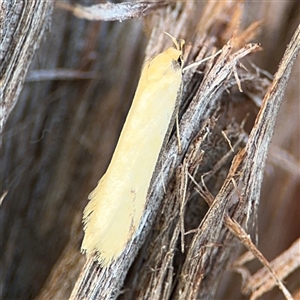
(116, 205)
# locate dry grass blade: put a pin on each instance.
(263, 129)
(283, 265)
(257, 146)
(238, 231)
(59, 74)
(249, 179)
(112, 11)
(261, 134)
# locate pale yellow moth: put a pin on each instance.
(116, 205)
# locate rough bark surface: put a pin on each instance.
(22, 26)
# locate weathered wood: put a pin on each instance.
(48, 146)
(94, 282)
(23, 24)
(113, 11)
(62, 131)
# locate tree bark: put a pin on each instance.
(22, 28)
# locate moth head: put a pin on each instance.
(179, 44)
(166, 63)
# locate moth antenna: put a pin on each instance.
(179, 43)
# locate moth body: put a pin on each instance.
(116, 205)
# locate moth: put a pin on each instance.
(114, 211)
